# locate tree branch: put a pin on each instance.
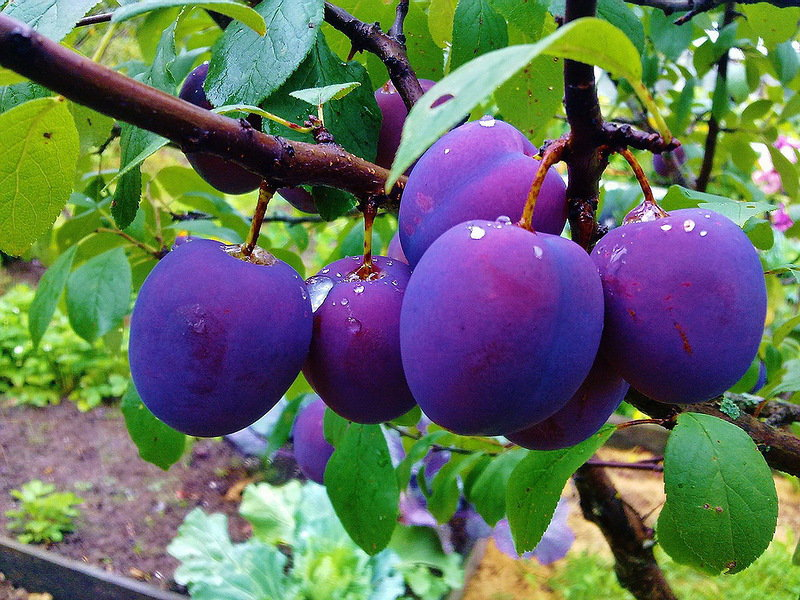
(713, 124)
(630, 539)
(368, 36)
(781, 449)
(192, 128)
(695, 7)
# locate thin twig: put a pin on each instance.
(94, 19)
(141, 245)
(643, 465)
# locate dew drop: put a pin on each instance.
(488, 122)
(389, 263)
(707, 216)
(325, 270)
(666, 227)
(504, 220)
(447, 150)
(353, 325)
(344, 302)
(476, 232)
(688, 225)
(359, 289)
(334, 303)
(318, 289)
(703, 233)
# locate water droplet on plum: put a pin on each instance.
(666, 227)
(359, 289)
(353, 325)
(688, 225)
(505, 220)
(318, 288)
(537, 251)
(476, 232)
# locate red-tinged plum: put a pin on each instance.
(354, 363)
(582, 416)
(395, 250)
(216, 340)
(499, 327)
(394, 113)
(300, 198)
(226, 176)
(685, 304)
(480, 170)
(664, 168)
(311, 449)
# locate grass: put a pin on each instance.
(773, 576)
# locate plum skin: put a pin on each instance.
(354, 361)
(499, 327)
(582, 416)
(685, 304)
(311, 449)
(661, 166)
(215, 341)
(480, 170)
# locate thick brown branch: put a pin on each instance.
(781, 449)
(368, 36)
(192, 128)
(630, 539)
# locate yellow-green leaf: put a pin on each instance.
(37, 168)
(234, 10)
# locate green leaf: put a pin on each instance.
(679, 197)
(47, 294)
(158, 443)
(331, 202)
(760, 233)
(722, 507)
(526, 17)
(320, 95)
(535, 486)
(786, 169)
(415, 454)
(37, 166)
(283, 426)
(588, 40)
(785, 60)
(488, 493)
(246, 68)
(93, 128)
(445, 493)
(533, 96)
(354, 121)
(774, 25)
(9, 77)
(440, 21)
(620, 15)
(362, 487)
(271, 511)
(668, 38)
(477, 29)
(235, 10)
(215, 569)
(99, 294)
(52, 18)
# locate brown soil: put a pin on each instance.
(131, 508)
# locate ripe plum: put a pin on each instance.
(662, 167)
(499, 326)
(216, 341)
(685, 304)
(311, 449)
(480, 170)
(354, 363)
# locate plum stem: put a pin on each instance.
(368, 268)
(265, 193)
(648, 210)
(551, 155)
(626, 424)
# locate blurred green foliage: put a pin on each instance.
(44, 515)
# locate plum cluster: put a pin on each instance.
(491, 328)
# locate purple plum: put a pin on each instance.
(395, 250)
(662, 167)
(394, 113)
(226, 176)
(300, 198)
(582, 416)
(685, 303)
(216, 340)
(311, 449)
(480, 170)
(499, 327)
(354, 363)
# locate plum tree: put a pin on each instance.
(452, 183)
(499, 326)
(354, 361)
(685, 304)
(311, 449)
(205, 356)
(223, 174)
(582, 416)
